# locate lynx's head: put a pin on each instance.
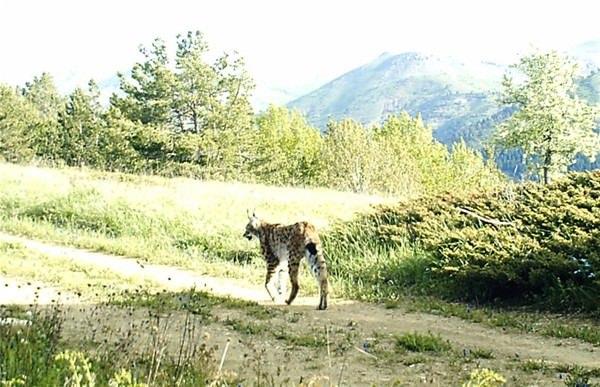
(252, 228)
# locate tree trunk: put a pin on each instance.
(546, 167)
(195, 121)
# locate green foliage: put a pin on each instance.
(17, 122)
(419, 158)
(286, 150)
(210, 96)
(76, 368)
(124, 378)
(45, 135)
(148, 95)
(196, 117)
(40, 125)
(82, 124)
(352, 158)
(193, 118)
(29, 125)
(579, 377)
(551, 125)
(399, 157)
(44, 96)
(28, 351)
(530, 243)
(225, 154)
(426, 164)
(32, 354)
(193, 96)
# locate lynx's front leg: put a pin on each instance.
(271, 266)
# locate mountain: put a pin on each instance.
(587, 55)
(589, 87)
(450, 94)
(267, 93)
(457, 98)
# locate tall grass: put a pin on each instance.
(27, 352)
(368, 268)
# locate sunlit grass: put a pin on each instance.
(196, 225)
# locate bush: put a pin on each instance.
(526, 243)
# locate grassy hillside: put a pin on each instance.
(198, 226)
(193, 224)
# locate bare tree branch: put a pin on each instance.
(484, 219)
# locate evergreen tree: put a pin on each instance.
(148, 94)
(82, 126)
(191, 96)
(18, 122)
(44, 97)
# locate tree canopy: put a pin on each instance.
(183, 115)
(190, 95)
(551, 125)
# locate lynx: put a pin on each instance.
(286, 246)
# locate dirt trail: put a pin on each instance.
(369, 318)
(171, 278)
(19, 292)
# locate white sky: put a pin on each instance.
(286, 44)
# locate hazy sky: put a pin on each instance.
(286, 44)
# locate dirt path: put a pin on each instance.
(19, 292)
(171, 278)
(369, 318)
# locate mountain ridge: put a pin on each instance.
(457, 97)
(440, 89)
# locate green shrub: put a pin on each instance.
(527, 242)
(417, 342)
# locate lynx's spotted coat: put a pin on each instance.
(286, 246)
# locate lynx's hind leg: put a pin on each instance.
(293, 268)
(318, 268)
(281, 281)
